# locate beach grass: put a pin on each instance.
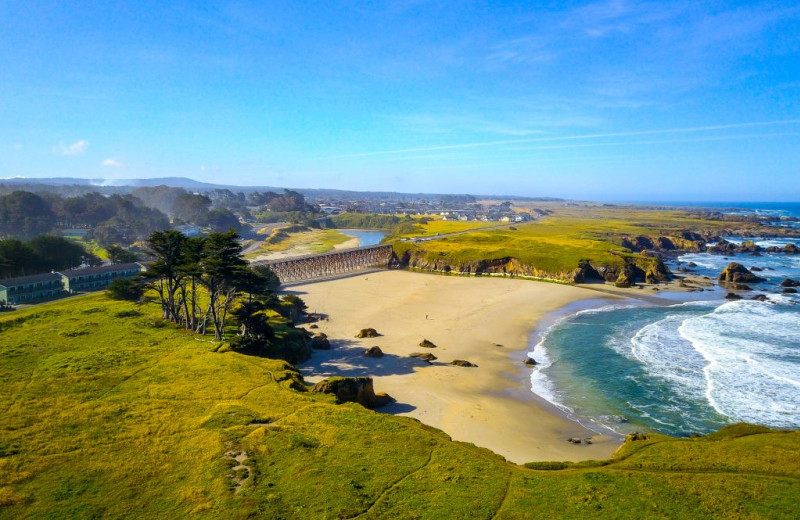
(107, 411)
(308, 241)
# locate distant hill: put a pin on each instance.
(117, 185)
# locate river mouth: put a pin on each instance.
(366, 237)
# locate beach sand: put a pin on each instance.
(486, 321)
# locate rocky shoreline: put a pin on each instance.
(640, 261)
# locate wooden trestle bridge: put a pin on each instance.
(330, 264)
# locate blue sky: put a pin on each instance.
(609, 100)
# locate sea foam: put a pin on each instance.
(751, 358)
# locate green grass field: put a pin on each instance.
(106, 411)
(556, 243)
(442, 227)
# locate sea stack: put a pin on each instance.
(737, 273)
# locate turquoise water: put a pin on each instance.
(366, 237)
(689, 367)
(686, 368)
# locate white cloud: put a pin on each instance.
(112, 163)
(76, 148)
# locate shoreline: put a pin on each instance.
(487, 321)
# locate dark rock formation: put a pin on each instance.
(320, 342)
(760, 297)
(585, 273)
(368, 333)
(732, 296)
(530, 362)
(748, 246)
(627, 278)
(637, 244)
(737, 273)
(692, 236)
(790, 249)
(427, 344)
(427, 356)
(352, 389)
(722, 247)
(373, 352)
(756, 269)
(790, 283)
(789, 290)
(462, 363)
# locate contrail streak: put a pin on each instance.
(571, 138)
(530, 160)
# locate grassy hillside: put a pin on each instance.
(555, 244)
(108, 412)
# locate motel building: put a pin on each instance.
(47, 286)
(96, 278)
(33, 288)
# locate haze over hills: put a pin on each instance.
(191, 184)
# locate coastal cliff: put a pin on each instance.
(631, 267)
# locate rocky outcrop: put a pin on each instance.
(320, 342)
(737, 273)
(789, 290)
(790, 283)
(352, 389)
(638, 243)
(760, 298)
(685, 240)
(627, 278)
(426, 356)
(368, 333)
(427, 344)
(585, 273)
(723, 247)
(732, 296)
(373, 352)
(748, 246)
(530, 362)
(462, 363)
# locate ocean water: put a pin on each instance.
(690, 367)
(767, 209)
(775, 266)
(686, 368)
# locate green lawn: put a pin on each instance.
(106, 411)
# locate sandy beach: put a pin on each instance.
(486, 321)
